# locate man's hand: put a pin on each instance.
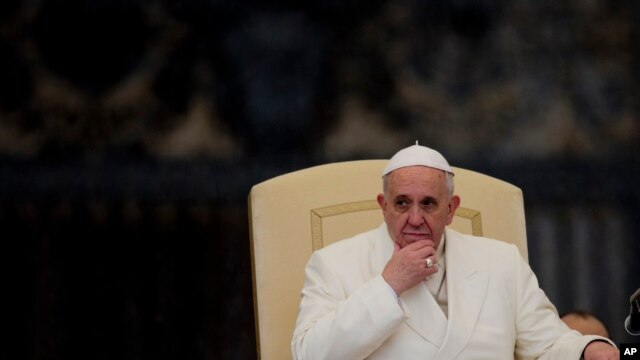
(600, 350)
(407, 266)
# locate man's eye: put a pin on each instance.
(428, 202)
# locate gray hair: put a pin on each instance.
(448, 178)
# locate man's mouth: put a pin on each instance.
(416, 236)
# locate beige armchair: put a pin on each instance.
(296, 213)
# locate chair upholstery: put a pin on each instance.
(293, 214)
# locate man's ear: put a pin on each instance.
(382, 202)
(453, 205)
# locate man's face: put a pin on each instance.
(416, 205)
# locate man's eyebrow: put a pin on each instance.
(400, 197)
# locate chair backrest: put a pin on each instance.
(296, 213)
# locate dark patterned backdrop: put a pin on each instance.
(132, 131)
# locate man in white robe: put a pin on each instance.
(415, 289)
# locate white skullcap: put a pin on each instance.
(417, 155)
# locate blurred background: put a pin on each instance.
(132, 131)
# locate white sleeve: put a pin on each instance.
(540, 332)
(334, 325)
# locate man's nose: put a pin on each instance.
(415, 216)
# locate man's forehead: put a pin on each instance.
(417, 173)
(417, 182)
